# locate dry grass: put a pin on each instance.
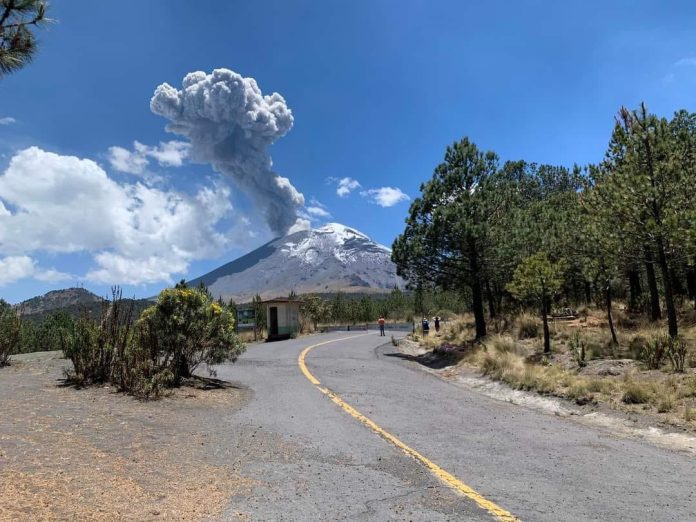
(528, 327)
(513, 356)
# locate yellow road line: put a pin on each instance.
(498, 512)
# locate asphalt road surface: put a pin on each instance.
(314, 458)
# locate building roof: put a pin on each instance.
(282, 300)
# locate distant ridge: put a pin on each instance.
(75, 301)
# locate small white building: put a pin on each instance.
(282, 318)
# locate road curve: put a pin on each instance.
(312, 460)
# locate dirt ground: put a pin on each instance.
(95, 454)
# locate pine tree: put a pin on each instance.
(537, 279)
(17, 42)
(644, 188)
(446, 242)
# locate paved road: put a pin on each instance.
(313, 461)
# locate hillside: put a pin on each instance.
(75, 301)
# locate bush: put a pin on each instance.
(665, 403)
(599, 386)
(676, 351)
(44, 336)
(168, 342)
(501, 324)
(635, 347)
(635, 394)
(10, 332)
(689, 414)
(503, 344)
(186, 328)
(527, 327)
(96, 348)
(578, 348)
(654, 351)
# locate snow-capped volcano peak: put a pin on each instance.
(343, 243)
(330, 258)
(341, 232)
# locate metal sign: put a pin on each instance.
(246, 318)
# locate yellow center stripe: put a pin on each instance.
(449, 479)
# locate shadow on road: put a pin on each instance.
(430, 359)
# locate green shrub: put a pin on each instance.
(677, 351)
(186, 328)
(10, 332)
(97, 348)
(635, 347)
(654, 351)
(578, 349)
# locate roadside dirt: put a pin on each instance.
(95, 454)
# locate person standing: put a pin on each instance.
(381, 325)
(426, 327)
(437, 324)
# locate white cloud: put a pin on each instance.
(170, 153)
(14, 268)
(345, 185)
(685, 61)
(124, 160)
(115, 267)
(385, 196)
(318, 212)
(167, 154)
(7, 120)
(137, 234)
(51, 276)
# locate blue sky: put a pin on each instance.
(377, 90)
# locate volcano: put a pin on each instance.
(329, 259)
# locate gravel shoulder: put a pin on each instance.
(95, 454)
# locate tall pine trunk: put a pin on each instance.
(588, 293)
(476, 293)
(669, 292)
(609, 317)
(479, 317)
(655, 313)
(635, 290)
(491, 301)
(545, 317)
(691, 282)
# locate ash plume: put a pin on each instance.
(230, 125)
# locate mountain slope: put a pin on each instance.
(71, 299)
(75, 301)
(331, 258)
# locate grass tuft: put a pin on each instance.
(635, 393)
